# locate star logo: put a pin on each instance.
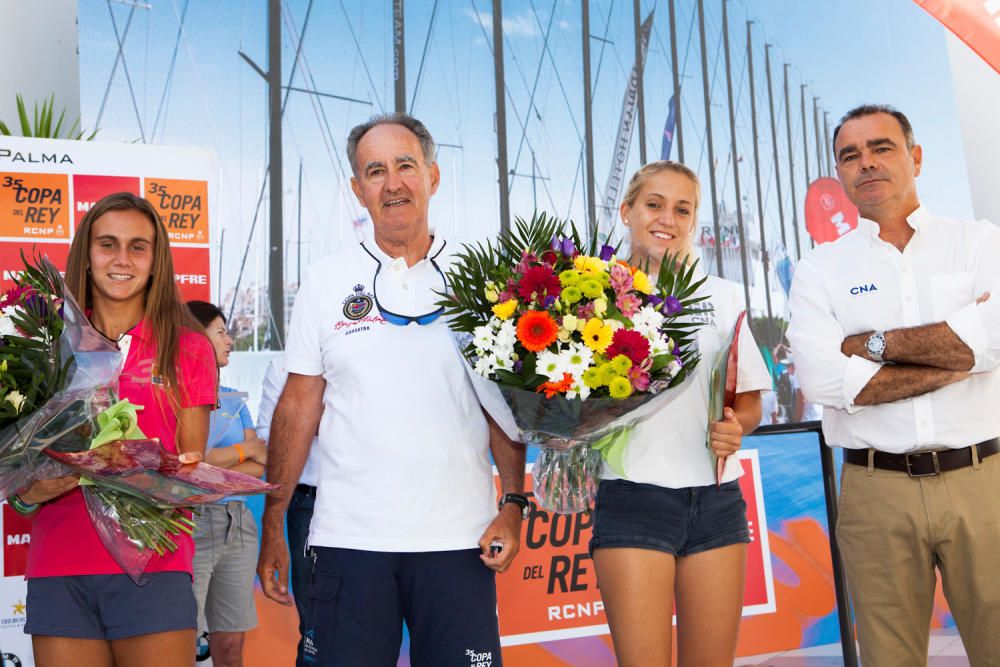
(19, 608)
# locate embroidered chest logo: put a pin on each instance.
(861, 289)
(358, 304)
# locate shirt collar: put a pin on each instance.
(437, 243)
(918, 219)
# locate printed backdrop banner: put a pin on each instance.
(47, 186)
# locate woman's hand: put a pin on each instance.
(44, 490)
(255, 449)
(727, 435)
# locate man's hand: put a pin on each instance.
(44, 490)
(505, 530)
(256, 450)
(727, 435)
(272, 564)
(854, 346)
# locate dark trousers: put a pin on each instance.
(300, 511)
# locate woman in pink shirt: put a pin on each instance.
(82, 608)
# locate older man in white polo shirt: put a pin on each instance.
(406, 510)
(895, 332)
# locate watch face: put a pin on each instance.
(875, 344)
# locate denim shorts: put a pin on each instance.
(681, 522)
(110, 606)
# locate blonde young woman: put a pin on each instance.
(664, 533)
(82, 609)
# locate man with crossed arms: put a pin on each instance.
(894, 332)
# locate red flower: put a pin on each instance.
(553, 388)
(630, 343)
(537, 330)
(537, 283)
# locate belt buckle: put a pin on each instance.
(934, 457)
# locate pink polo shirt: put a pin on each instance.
(63, 540)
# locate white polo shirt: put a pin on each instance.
(860, 283)
(668, 448)
(403, 444)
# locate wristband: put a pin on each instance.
(22, 507)
(239, 450)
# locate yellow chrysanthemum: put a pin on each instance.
(600, 307)
(621, 364)
(585, 264)
(569, 277)
(641, 282)
(597, 335)
(571, 294)
(591, 288)
(506, 309)
(593, 378)
(620, 388)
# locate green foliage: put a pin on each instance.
(31, 362)
(40, 123)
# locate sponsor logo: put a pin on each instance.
(16, 618)
(309, 652)
(29, 157)
(9, 660)
(479, 658)
(358, 304)
(861, 289)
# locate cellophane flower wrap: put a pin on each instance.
(59, 415)
(569, 346)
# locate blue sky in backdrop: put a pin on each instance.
(182, 82)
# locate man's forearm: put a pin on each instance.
(509, 458)
(931, 345)
(293, 426)
(894, 382)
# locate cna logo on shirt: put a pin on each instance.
(861, 289)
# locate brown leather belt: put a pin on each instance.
(924, 464)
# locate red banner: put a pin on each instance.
(975, 22)
(88, 190)
(191, 272)
(829, 213)
(10, 258)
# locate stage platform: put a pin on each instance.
(945, 650)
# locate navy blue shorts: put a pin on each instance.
(361, 598)
(110, 606)
(681, 522)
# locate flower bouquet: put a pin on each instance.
(568, 347)
(59, 415)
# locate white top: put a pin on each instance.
(668, 448)
(403, 443)
(860, 283)
(274, 382)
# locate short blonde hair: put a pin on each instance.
(640, 177)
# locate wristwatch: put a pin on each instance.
(517, 499)
(876, 346)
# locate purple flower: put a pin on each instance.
(672, 305)
(654, 301)
(549, 300)
(568, 247)
(518, 365)
(607, 252)
(555, 244)
(676, 352)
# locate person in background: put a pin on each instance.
(300, 507)
(83, 610)
(665, 532)
(225, 537)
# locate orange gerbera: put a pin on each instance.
(536, 330)
(553, 388)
